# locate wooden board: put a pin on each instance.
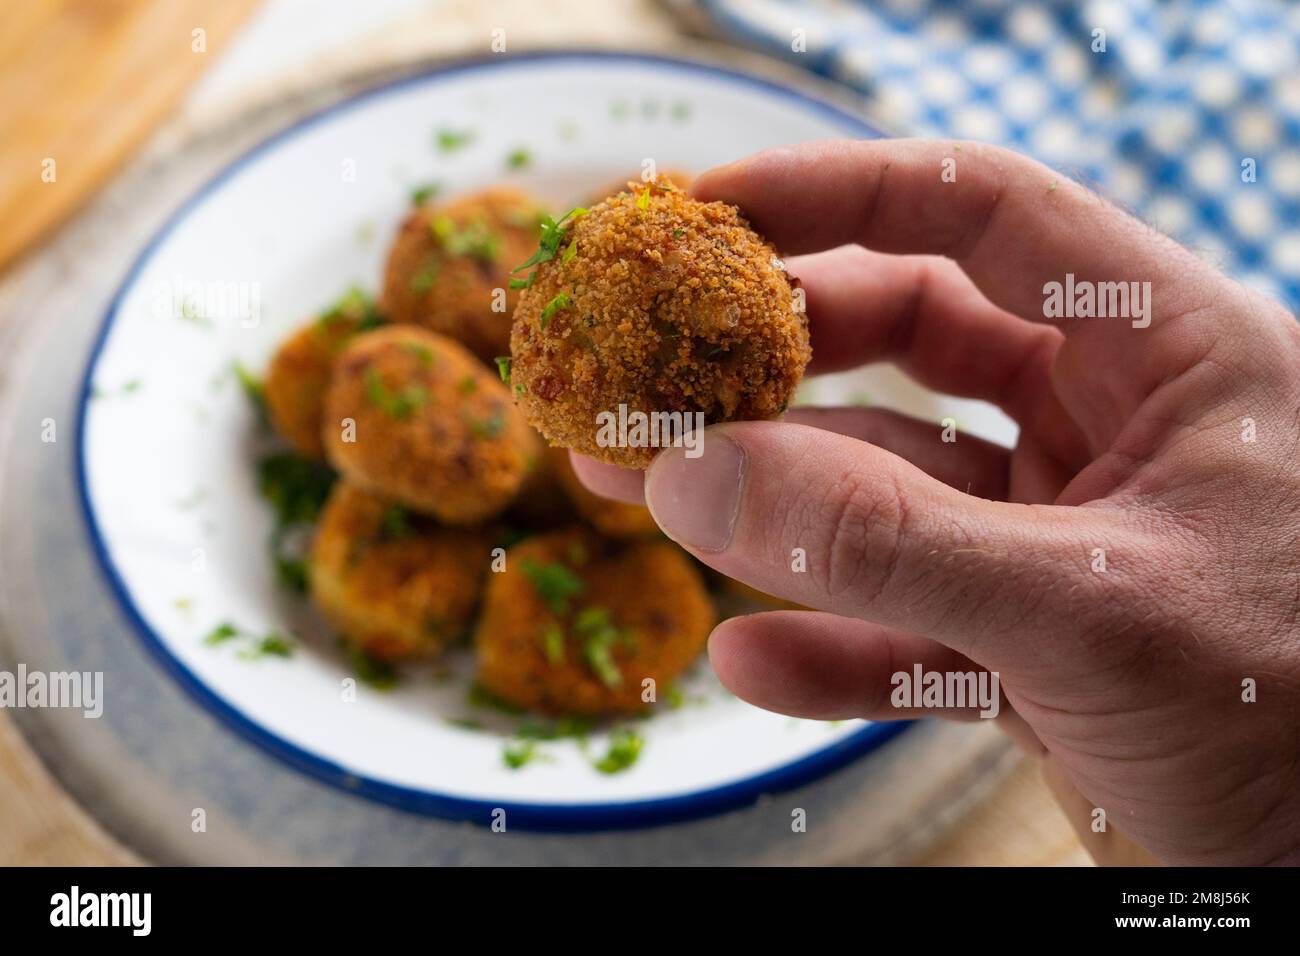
(82, 83)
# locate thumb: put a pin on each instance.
(843, 526)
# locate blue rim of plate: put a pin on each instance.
(544, 817)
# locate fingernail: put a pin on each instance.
(696, 500)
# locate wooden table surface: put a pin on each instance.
(66, 69)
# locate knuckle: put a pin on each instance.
(860, 526)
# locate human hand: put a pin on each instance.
(1172, 448)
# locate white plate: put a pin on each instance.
(167, 450)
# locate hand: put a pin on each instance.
(1171, 452)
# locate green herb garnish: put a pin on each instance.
(599, 635)
(423, 193)
(253, 388)
(467, 385)
(490, 427)
(450, 140)
(553, 233)
(381, 675)
(295, 486)
(519, 158)
(273, 644)
(474, 239)
(505, 365)
(423, 280)
(395, 522)
(561, 301)
(555, 584)
(394, 404)
(519, 753)
(422, 352)
(553, 640)
(355, 305)
(625, 746)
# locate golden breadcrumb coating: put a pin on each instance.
(662, 304)
(299, 374)
(680, 179)
(447, 260)
(396, 585)
(432, 427)
(639, 610)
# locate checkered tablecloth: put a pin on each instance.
(1186, 112)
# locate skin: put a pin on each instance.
(1129, 683)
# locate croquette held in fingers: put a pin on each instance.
(412, 416)
(395, 585)
(577, 624)
(653, 304)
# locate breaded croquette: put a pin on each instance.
(576, 624)
(448, 261)
(299, 372)
(614, 518)
(653, 304)
(395, 584)
(412, 416)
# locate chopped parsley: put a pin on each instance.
(467, 385)
(505, 365)
(625, 746)
(253, 388)
(519, 753)
(422, 193)
(395, 522)
(553, 641)
(422, 352)
(599, 635)
(273, 644)
(381, 675)
(423, 280)
(480, 696)
(355, 305)
(450, 140)
(473, 239)
(519, 158)
(561, 301)
(296, 487)
(554, 583)
(490, 427)
(553, 233)
(394, 404)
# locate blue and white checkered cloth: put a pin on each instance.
(1190, 117)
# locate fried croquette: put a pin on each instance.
(680, 179)
(412, 416)
(614, 518)
(653, 304)
(448, 261)
(395, 584)
(299, 373)
(576, 623)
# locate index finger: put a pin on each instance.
(1011, 223)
